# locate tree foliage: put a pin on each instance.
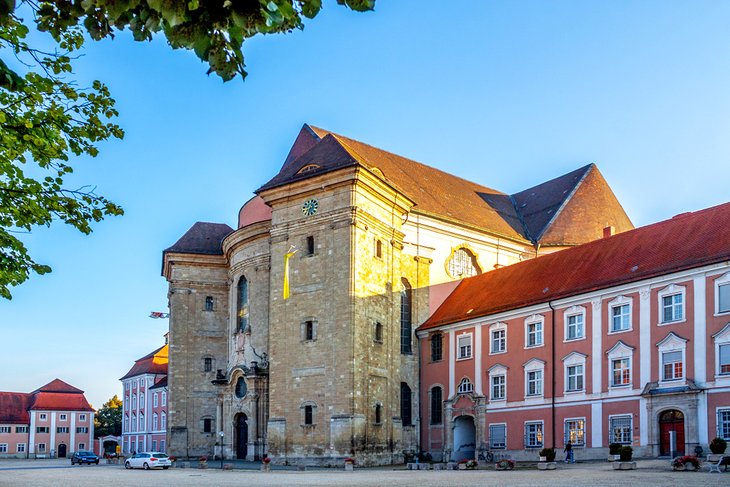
(108, 419)
(45, 118)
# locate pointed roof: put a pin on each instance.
(627, 257)
(202, 238)
(154, 362)
(567, 210)
(57, 385)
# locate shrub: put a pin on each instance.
(626, 452)
(614, 448)
(266, 460)
(548, 453)
(718, 446)
(506, 464)
(687, 459)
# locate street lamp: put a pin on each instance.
(221, 434)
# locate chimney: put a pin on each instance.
(608, 231)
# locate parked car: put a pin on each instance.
(83, 456)
(148, 460)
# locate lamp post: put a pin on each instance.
(221, 434)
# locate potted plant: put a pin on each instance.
(717, 447)
(471, 464)
(613, 450)
(505, 465)
(266, 464)
(547, 459)
(686, 462)
(349, 464)
(203, 462)
(625, 463)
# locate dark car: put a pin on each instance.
(83, 456)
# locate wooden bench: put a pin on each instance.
(715, 467)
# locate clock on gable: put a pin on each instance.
(310, 207)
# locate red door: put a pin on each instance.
(671, 420)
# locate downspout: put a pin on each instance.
(552, 369)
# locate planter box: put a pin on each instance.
(614, 458)
(424, 466)
(265, 467)
(349, 467)
(547, 466)
(497, 467)
(203, 465)
(227, 466)
(462, 466)
(618, 465)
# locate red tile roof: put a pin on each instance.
(57, 385)
(684, 242)
(60, 401)
(14, 408)
(152, 363)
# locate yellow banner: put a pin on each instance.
(286, 293)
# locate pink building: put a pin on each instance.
(144, 417)
(53, 421)
(622, 340)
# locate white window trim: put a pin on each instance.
(722, 280)
(489, 429)
(671, 290)
(532, 320)
(571, 360)
(6, 448)
(722, 337)
(623, 415)
(570, 312)
(617, 352)
(533, 366)
(62, 417)
(672, 343)
(494, 371)
(620, 301)
(469, 335)
(717, 413)
(497, 327)
(585, 430)
(542, 429)
(463, 381)
(20, 447)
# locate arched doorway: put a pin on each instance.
(464, 439)
(62, 450)
(241, 436)
(671, 420)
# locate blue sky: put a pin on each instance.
(505, 93)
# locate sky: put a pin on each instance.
(505, 93)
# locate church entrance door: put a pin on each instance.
(241, 436)
(671, 420)
(62, 450)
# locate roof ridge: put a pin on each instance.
(568, 197)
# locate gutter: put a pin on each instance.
(552, 369)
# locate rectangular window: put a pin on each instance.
(575, 431)
(499, 383)
(310, 245)
(41, 447)
(620, 429)
(207, 364)
(41, 429)
(464, 342)
(575, 327)
(724, 351)
(575, 378)
(5, 429)
(672, 365)
(163, 421)
(82, 417)
(436, 400)
(723, 424)
(378, 248)
(164, 398)
(308, 415)
(43, 416)
(154, 445)
(162, 445)
(155, 400)
(309, 330)
(672, 309)
(534, 383)
(436, 347)
(82, 446)
(723, 298)
(209, 303)
(82, 429)
(20, 447)
(499, 341)
(378, 332)
(620, 318)
(3, 447)
(533, 435)
(534, 334)
(21, 429)
(621, 372)
(62, 417)
(207, 425)
(62, 429)
(497, 436)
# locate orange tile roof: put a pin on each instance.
(57, 395)
(57, 385)
(152, 363)
(684, 242)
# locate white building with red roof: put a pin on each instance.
(52, 421)
(144, 398)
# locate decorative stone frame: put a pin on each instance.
(571, 360)
(620, 351)
(615, 303)
(534, 365)
(671, 290)
(212, 424)
(500, 326)
(303, 415)
(723, 280)
(722, 337)
(464, 381)
(570, 312)
(474, 255)
(672, 343)
(496, 371)
(533, 319)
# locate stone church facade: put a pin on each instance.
(370, 244)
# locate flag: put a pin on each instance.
(287, 256)
(158, 314)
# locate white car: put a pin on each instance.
(148, 460)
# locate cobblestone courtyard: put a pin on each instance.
(59, 472)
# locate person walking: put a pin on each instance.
(569, 452)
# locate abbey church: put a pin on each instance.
(293, 334)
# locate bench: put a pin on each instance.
(715, 467)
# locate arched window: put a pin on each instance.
(405, 317)
(209, 303)
(462, 264)
(308, 416)
(378, 414)
(207, 364)
(405, 404)
(155, 422)
(378, 332)
(242, 309)
(465, 386)
(436, 404)
(163, 421)
(241, 388)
